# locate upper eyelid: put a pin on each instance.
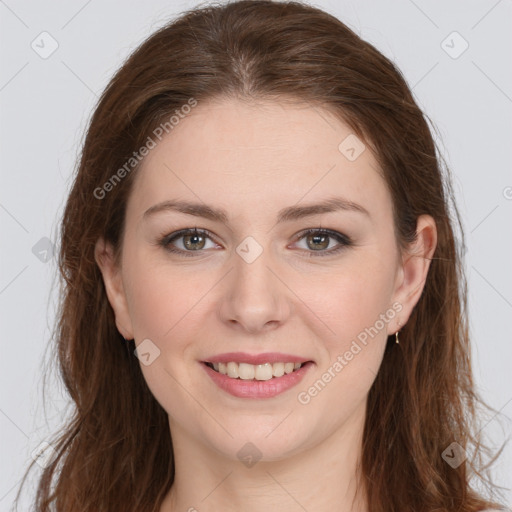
(188, 231)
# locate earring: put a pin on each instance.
(396, 334)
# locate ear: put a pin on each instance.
(413, 270)
(112, 278)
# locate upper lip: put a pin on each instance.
(268, 357)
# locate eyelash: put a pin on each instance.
(343, 240)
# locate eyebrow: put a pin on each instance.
(288, 214)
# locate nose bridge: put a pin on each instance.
(255, 296)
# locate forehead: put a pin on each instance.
(249, 155)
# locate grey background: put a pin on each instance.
(45, 105)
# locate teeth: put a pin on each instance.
(246, 371)
(233, 370)
(288, 367)
(278, 369)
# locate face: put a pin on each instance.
(252, 280)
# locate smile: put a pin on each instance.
(264, 380)
(245, 371)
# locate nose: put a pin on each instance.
(254, 298)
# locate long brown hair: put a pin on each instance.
(115, 453)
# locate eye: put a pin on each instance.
(318, 240)
(190, 240)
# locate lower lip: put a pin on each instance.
(258, 388)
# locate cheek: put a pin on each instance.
(164, 307)
(355, 305)
(155, 305)
(351, 298)
(162, 297)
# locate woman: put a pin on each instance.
(263, 304)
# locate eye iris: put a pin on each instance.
(317, 239)
(189, 244)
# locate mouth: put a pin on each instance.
(260, 372)
(258, 381)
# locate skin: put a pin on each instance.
(253, 160)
